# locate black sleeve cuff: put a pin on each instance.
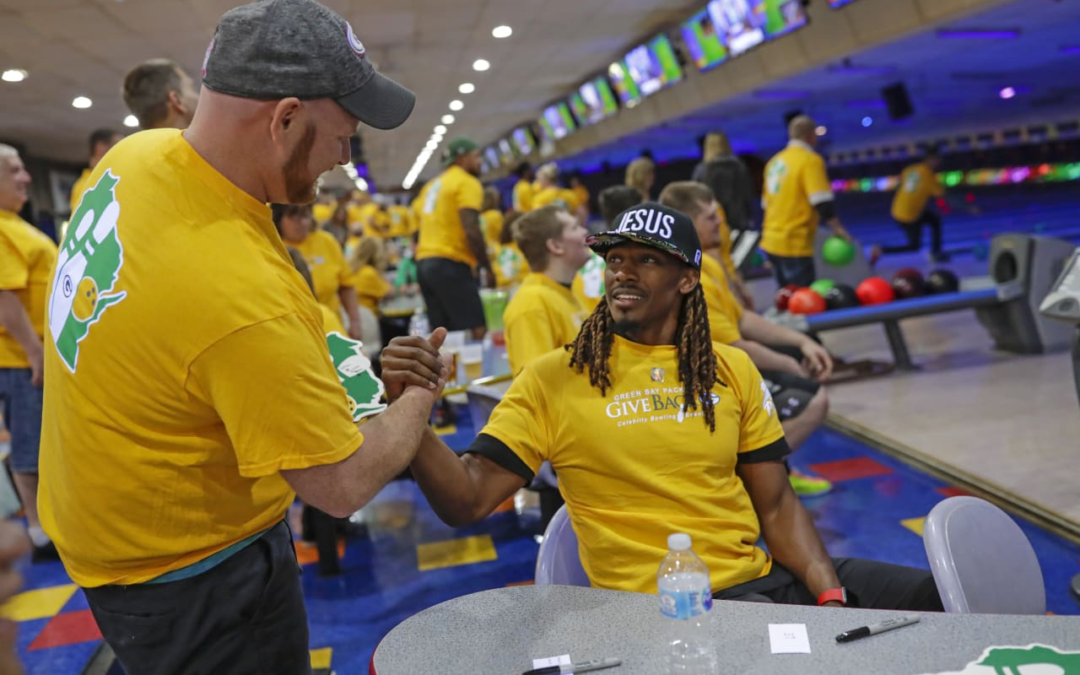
(778, 449)
(498, 452)
(827, 210)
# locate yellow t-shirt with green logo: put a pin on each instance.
(329, 270)
(917, 185)
(401, 221)
(321, 212)
(634, 467)
(509, 264)
(543, 315)
(795, 183)
(77, 189)
(371, 287)
(725, 312)
(523, 193)
(331, 320)
(588, 286)
(491, 223)
(441, 232)
(27, 256)
(186, 366)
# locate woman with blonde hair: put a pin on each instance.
(367, 263)
(728, 178)
(640, 175)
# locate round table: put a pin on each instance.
(500, 632)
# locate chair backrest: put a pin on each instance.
(558, 562)
(369, 328)
(981, 560)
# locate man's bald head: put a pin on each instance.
(803, 128)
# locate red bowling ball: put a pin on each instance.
(783, 297)
(875, 291)
(806, 301)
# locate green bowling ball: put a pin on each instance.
(822, 286)
(838, 252)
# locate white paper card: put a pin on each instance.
(789, 638)
(563, 660)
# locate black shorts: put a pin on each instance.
(791, 393)
(451, 293)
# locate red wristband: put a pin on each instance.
(833, 595)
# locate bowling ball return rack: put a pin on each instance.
(891, 314)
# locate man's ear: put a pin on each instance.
(284, 117)
(689, 281)
(555, 247)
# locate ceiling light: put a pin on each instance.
(480, 65)
(467, 88)
(437, 138)
(82, 102)
(447, 119)
(431, 145)
(501, 32)
(867, 121)
(131, 121)
(440, 129)
(821, 131)
(1007, 93)
(456, 105)
(361, 184)
(13, 75)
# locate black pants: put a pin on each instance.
(913, 231)
(451, 294)
(797, 271)
(870, 585)
(244, 617)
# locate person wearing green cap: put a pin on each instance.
(452, 247)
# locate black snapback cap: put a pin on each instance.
(652, 224)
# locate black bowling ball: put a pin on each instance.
(841, 296)
(942, 281)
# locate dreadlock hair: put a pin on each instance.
(697, 360)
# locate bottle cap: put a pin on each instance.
(679, 542)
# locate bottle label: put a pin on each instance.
(685, 604)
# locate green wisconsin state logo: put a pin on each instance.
(1034, 659)
(86, 269)
(363, 390)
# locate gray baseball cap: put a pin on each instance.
(273, 49)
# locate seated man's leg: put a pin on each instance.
(879, 585)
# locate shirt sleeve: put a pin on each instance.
(761, 438)
(371, 283)
(470, 194)
(278, 396)
(517, 436)
(14, 270)
(816, 182)
(528, 336)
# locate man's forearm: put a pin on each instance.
(347, 294)
(759, 329)
(446, 481)
(794, 542)
(15, 321)
(390, 443)
(478, 247)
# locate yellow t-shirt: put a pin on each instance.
(633, 469)
(917, 185)
(491, 222)
(724, 311)
(331, 320)
(401, 221)
(371, 287)
(510, 265)
(582, 195)
(321, 213)
(543, 315)
(78, 188)
(359, 214)
(441, 232)
(555, 195)
(378, 224)
(27, 257)
(795, 183)
(588, 286)
(329, 269)
(523, 193)
(195, 374)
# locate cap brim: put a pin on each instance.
(381, 103)
(603, 242)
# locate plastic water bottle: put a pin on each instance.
(418, 324)
(686, 603)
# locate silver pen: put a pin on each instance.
(583, 667)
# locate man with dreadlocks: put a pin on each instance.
(653, 428)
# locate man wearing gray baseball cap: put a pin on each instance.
(189, 392)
